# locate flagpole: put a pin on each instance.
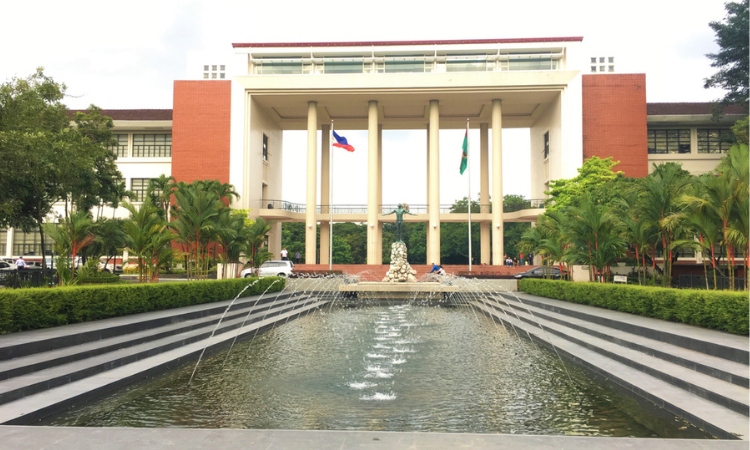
(330, 200)
(469, 182)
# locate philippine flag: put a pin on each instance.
(341, 142)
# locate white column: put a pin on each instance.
(433, 193)
(428, 254)
(484, 191)
(372, 182)
(312, 183)
(379, 226)
(498, 245)
(325, 186)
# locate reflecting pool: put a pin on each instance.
(393, 368)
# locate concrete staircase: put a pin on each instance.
(698, 374)
(45, 371)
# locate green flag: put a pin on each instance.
(465, 154)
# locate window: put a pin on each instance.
(593, 69)
(668, 141)
(152, 145)
(546, 145)
(139, 186)
(121, 148)
(593, 60)
(205, 68)
(222, 67)
(401, 65)
(532, 64)
(280, 68)
(343, 67)
(265, 148)
(3, 242)
(714, 140)
(30, 243)
(466, 65)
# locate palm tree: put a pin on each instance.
(195, 224)
(140, 229)
(163, 199)
(256, 238)
(74, 233)
(661, 191)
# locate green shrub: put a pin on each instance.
(99, 278)
(28, 309)
(721, 310)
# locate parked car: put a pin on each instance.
(540, 272)
(5, 267)
(110, 268)
(271, 269)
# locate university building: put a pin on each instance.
(228, 124)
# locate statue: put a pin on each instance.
(400, 220)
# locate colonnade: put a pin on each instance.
(494, 228)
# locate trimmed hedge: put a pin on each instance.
(720, 310)
(28, 309)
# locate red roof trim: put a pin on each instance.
(677, 109)
(132, 114)
(393, 43)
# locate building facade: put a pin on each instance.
(229, 125)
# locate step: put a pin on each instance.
(711, 342)
(717, 420)
(18, 387)
(23, 343)
(30, 409)
(721, 392)
(180, 323)
(723, 369)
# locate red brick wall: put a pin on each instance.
(614, 120)
(200, 130)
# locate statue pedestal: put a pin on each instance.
(400, 270)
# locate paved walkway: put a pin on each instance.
(62, 438)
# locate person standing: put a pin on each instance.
(284, 254)
(20, 263)
(297, 256)
(521, 258)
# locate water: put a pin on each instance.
(391, 368)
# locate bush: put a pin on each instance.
(99, 278)
(30, 309)
(720, 310)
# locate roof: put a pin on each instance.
(681, 109)
(394, 43)
(133, 114)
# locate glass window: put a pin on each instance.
(139, 186)
(533, 64)
(593, 68)
(466, 65)
(405, 65)
(121, 148)
(30, 243)
(281, 68)
(265, 148)
(593, 60)
(152, 145)
(668, 141)
(546, 145)
(205, 67)
(343, 67)
(715, 140)
(222, 67)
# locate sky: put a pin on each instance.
(127, 55)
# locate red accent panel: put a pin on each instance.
(614, 121)
(393, 43)
(200, 130)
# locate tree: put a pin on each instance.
(592, 176)
(46, 158)
(732, 58)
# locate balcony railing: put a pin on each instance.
(387, 208)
